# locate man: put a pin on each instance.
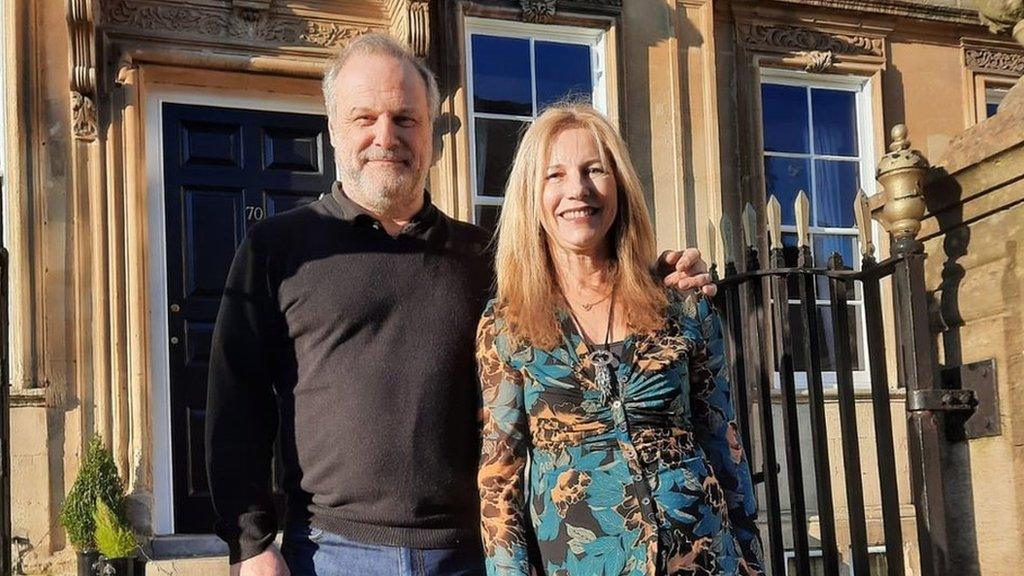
(349, 324)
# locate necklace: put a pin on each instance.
(600, 358)
(588, 307)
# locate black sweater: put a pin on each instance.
(359, 347)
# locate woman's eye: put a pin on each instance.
(595, 170)
(553, 176)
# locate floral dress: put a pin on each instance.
(651, 480)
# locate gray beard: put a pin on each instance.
(384, 199)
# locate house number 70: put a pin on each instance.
(254, 213)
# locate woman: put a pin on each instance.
(614, 389)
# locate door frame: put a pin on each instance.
(160, 381)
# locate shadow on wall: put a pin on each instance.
(943, 200)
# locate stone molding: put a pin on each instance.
(233, 25)
(1007, 62)
(410, 22)
(905, 9)
(822, 46)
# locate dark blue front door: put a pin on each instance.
(224, 169)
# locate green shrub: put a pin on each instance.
(97, 480)
(114, 539)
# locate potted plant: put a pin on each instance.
(115, 542)
(97, 480)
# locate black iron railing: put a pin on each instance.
(757, 296)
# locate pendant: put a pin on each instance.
(602, 361)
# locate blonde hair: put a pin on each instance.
(528, 293)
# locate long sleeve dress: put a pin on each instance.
(650, 481)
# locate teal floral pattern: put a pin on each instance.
(652, 481)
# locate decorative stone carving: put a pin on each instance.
(818, 61)
(1003, 16)
(991, 60)
(795, 39)
(83, 47)
(83, 117)
(244, 25)
(538, 11)
(410, 21)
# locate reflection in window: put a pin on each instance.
(514, 75)
(993, 97)
(812, 143)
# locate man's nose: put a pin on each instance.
(385, 133)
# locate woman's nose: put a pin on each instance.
(579, 185)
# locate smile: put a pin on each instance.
(577, 213)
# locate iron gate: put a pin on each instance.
(755, 298)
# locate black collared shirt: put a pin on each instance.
(358, 346)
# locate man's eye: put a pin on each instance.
(405, 121)
(365, 120)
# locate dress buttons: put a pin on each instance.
(646, 501)
(616, 403)
(637, 477)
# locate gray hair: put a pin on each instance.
(380, 44)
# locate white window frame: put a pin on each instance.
(817, 553)
(862, 87)
(594, 38)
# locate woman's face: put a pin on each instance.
(580, 198)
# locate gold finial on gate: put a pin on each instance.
(902, 173)
(802, 210)
(750, 226)
(725, 227)
(774, 215)
(862, 212)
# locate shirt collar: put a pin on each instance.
(350, 211)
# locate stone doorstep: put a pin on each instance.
(189, 555)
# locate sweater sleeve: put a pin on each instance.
(714, 422)
(503, 519)
(241, 407)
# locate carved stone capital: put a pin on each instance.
(994, 60)
(538, 11)
(84, 119)
(227, 25)
(792, 39)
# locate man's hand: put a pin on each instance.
(266, 563)
(686, 270)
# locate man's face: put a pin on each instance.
(381, 132)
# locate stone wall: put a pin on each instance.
(974, 237)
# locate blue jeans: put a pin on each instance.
(309, 551)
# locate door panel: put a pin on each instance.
(224, 169)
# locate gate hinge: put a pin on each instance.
(941, 400)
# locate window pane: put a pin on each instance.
(496, 142)
(835, 122)
(501, 75)
(837, 182)
(991, 109)
(563, 72)
(487, 217)
(784, 177)
(824, 245)
(785, 118)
